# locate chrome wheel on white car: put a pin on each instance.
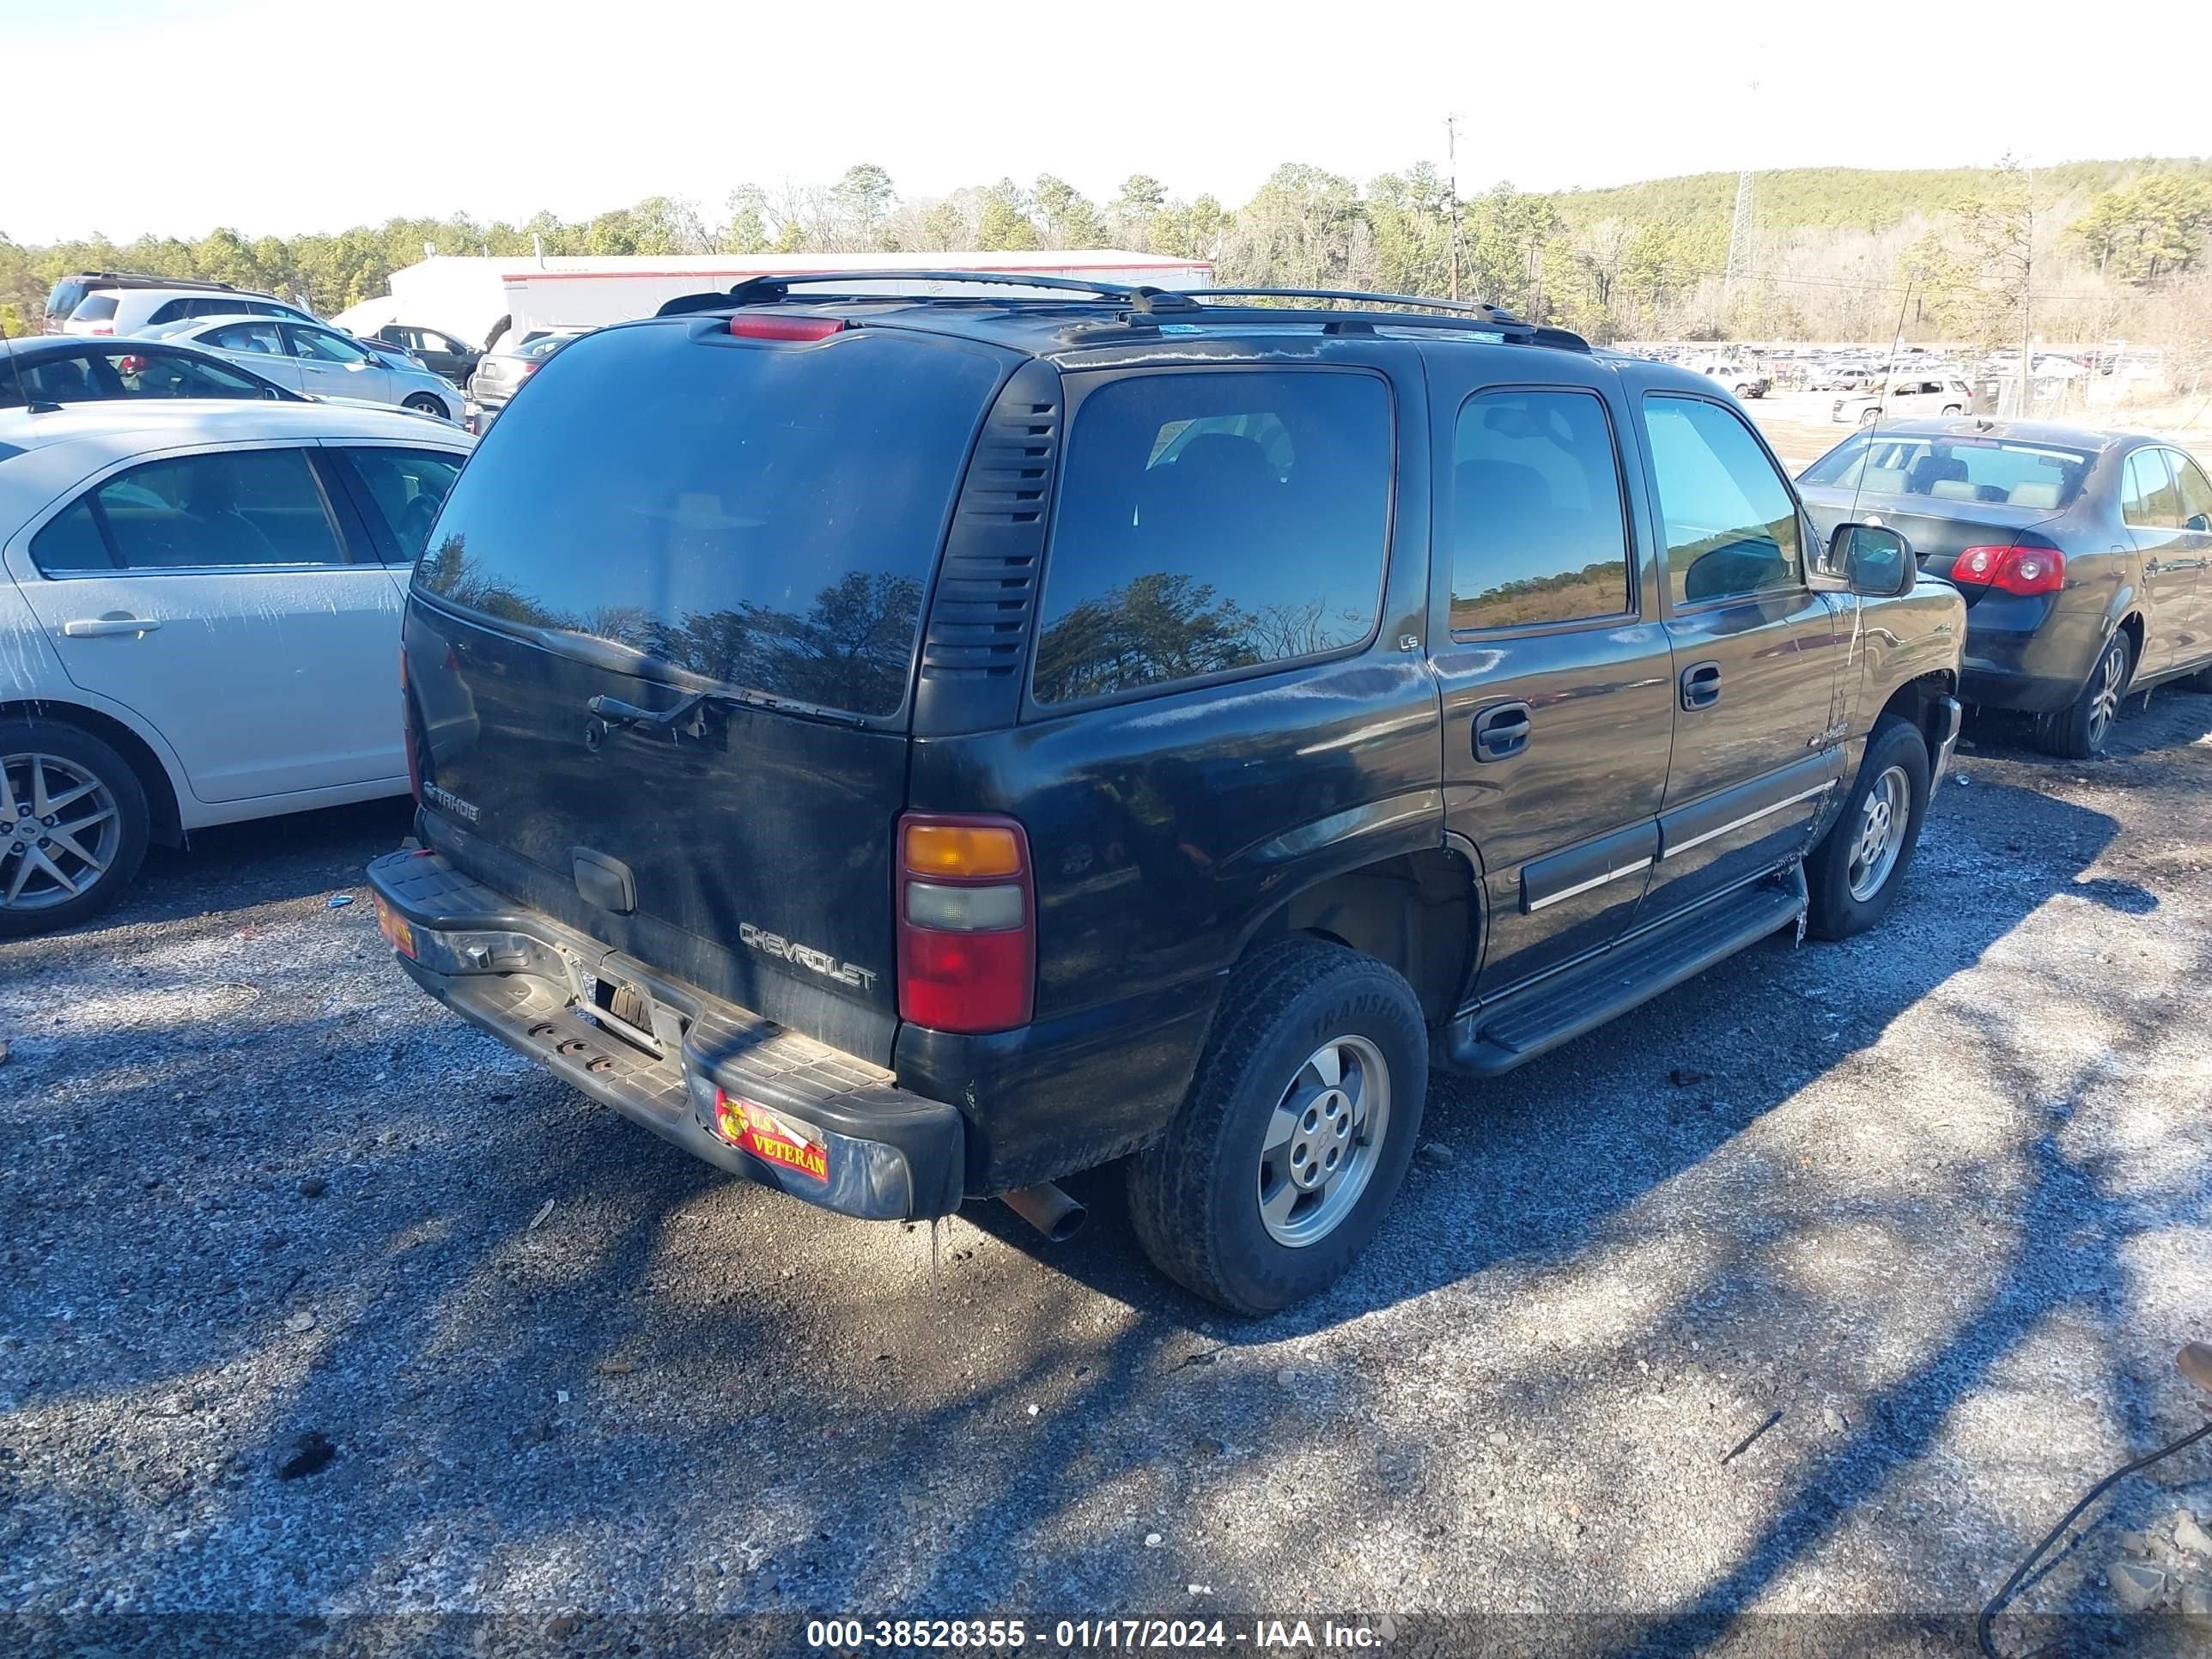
(59, 831)
(72, 825)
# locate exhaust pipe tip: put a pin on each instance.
(1046, 1207)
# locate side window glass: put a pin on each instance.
(2196, 491)
(317, 346)
(408, 486)
(168, 311)
(1731, 524)
(260, 337)
(166, 374)
(71, 542)
(1537, 531)
(2148, 498)
(241, 507)
(65, 380)
(1212, 520)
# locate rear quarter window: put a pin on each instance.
(764, 515)
(1214, 520)
(94, 308)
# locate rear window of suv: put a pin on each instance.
(764, 516)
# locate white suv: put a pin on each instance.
(126, 311)
(202, 600)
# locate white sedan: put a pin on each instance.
(318, 360)
(201, 603)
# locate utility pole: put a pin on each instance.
(2026, 300)
(1739, 226)
(1451, 171)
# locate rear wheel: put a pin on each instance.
(423, 404)
(72, 825)
(1296, 1133)
(1868, 416)
(2080, 730)
(1853, 876)
(1953, 408)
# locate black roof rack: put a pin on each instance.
(143, 279)
(1361, 297)
(772, 290)
(1147, 305)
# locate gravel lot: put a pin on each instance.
(1941, 1197)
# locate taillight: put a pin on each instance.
(133, 365)
(2025, 571)
(967, 923)
(761, 328)
(407, 732)
(103, 328)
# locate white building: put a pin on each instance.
(479, 298)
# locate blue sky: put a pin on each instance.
(327, 116)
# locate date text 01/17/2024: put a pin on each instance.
(1276, 1635)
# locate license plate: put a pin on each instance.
(395, 928)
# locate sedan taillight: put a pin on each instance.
(2025, 571)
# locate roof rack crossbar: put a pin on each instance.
(1465, 307)
(774, 289)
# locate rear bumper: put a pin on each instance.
(2027, 654)
(822, 1125)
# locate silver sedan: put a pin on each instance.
(318, 360)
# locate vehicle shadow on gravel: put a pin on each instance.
(234, 866)
(1543, 1173)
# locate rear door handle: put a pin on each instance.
(1502, 732)
(92, 627)
(1701, 685)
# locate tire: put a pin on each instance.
(2080, 730)
(1852, 882)
(1953, 408)
(1195, 1197)
(1868, 416)
(423, 404)
(81, 776)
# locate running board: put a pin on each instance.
(1489, 1039)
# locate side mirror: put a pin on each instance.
(2197, 523)
(1868, 559)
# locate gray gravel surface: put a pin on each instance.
(288, 1326)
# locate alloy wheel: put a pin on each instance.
(2105, 700)
(1323, 1141)
(59, 831)
(1882, 818)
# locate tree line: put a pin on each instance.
(2087, 250)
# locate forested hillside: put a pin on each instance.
(2082, 250)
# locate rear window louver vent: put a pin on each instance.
(979, 621)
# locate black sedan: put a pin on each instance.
(53, 369)
(2081, 554)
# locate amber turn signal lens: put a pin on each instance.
(962, 849)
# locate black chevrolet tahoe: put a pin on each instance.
(907, 748)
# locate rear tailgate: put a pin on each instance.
(669, 512)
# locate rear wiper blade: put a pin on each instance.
(682, 715)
